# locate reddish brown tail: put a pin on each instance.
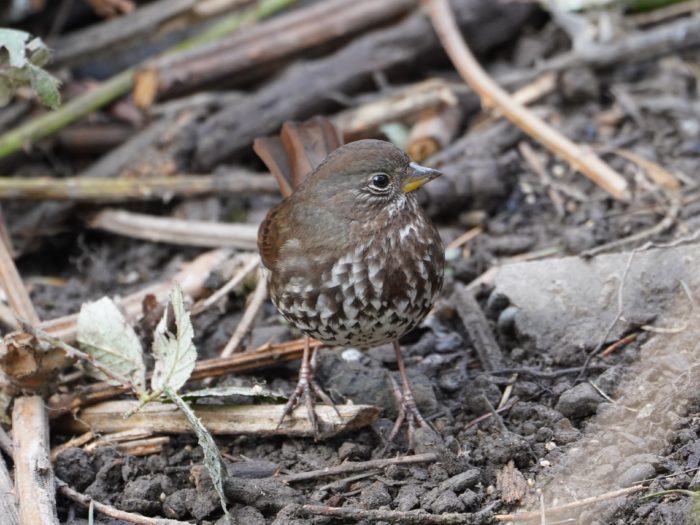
(298, 150)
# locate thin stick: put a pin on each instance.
(76, 442)
(465, 237)
(225, 289)
(535, 515)
(133, 189)
(177, 231)
(619, 343)
(492, 95)
(350, 467)
(12, 285)
(257, 299)
(34, 479)
(86, 501)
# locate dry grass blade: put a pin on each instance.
(492, 95)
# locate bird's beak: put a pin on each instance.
(418, 176)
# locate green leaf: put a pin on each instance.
(175, 354)
(225, 391)
(106, 336)
(46, 86)
(15, 42)
(212, 458)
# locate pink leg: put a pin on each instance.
(306, 387)
(408, 411)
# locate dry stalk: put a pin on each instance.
(12, 284)
(259, 420)
(177, 231)
(34, 478)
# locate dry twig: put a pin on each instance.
(350, 466)
(257, 299)
(492, 95)
(177, 231)
(536, 515)
(12, 285)
(202, 305)
(110, 511)
(130, 189)
(34, 479)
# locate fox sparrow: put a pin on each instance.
(352, 258)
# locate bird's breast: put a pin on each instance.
(366, 293)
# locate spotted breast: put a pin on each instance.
(369, 283)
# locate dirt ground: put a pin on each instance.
(557, 400)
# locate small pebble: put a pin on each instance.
(408, 497)
(470, 499)
(460, 482)
(447, 501)
(636, 473)
(437, 473)
(375, 495)
(579, 401)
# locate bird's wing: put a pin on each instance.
(269, 236)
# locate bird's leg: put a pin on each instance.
(408, 411)
(306, 387)
(317, 388)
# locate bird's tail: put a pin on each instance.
(297, 150)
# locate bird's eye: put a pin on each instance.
(380, 181)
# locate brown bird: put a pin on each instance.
(352, 258)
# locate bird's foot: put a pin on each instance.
(408, 412)
(422, 437)
(304, 391)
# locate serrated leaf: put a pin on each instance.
(212, 458)
(106, 336)
(175, 355)
(39, 53)
(46, 86)
(225, 391)
(15, 42)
